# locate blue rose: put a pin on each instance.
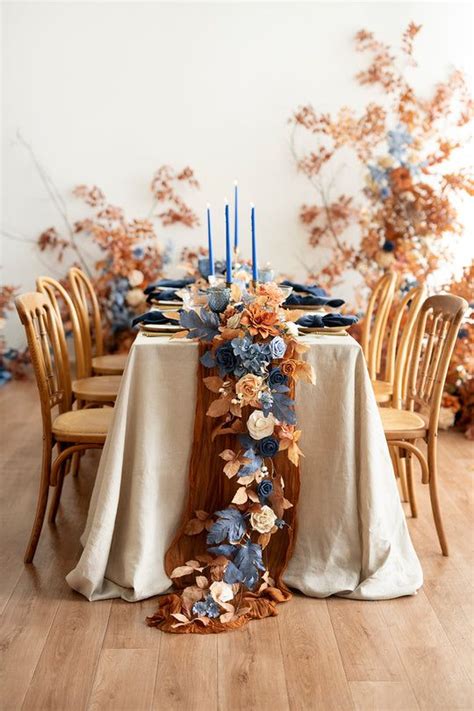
(225, 359)
(276, 378)
(268, 446)
(265, 489)
(277, 347)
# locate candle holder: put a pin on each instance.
(218, 298)
(266, 275)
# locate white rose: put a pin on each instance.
(260, 426)
(263, 520)
(446, 418)
(221, 592)
(134, 297)
(135, 278)
(292, 328)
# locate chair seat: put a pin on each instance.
(113, 364)
(102, 388)
(83, 425)
(402, 424)
(383, 390)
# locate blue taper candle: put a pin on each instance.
(254, 244)
(209, 242)
(236, 216)
(228, 250)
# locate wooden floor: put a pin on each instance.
(61, 652)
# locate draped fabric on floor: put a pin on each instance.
(352, 537)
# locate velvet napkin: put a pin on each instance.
(170, 284)
(163, 295)
(314, 289)
(328, 320)
(300, 300)
(156, 317)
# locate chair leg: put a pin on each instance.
(41, 504)
(433, 483)
(75, 463)
(53, 509)
(410, 484)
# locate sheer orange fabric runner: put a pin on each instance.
(211, 490)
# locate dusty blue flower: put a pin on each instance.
(206, 608)
(266, 401)
(265, 489)
(277, 347)
(241, 346)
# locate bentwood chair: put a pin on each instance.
(64, 430)
(375, 321)
(91, 390)
(394, 384)
(90, 319)
(436, 331)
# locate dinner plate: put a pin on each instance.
(328, 330)
(160, 327)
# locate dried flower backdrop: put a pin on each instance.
(405, 216)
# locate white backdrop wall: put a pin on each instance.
(107, 92)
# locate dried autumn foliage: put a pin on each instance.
(405, 214)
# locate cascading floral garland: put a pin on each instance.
(254, 349)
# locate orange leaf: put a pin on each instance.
(240, 496)
(202, 515)
(202, 582)
(213, 383)
(219, 407)
(264, 540)
(228, 455)
(231, 468)
(193, 527)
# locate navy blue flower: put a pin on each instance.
(266, 401)
(388, 245)
(276, 377)
(206, 608)
(268, 446)
(264, 490)
(463, 333)
(225, 359)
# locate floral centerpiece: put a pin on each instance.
(251, 350)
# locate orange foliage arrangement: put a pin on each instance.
(405, 214)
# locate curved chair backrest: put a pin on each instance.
(400, 342)
(375, 321)
(51, 369)
(87, 306)
(436, 332)
(58, 297)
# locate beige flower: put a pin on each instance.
(248, 388)
(446, 418)
(134, 297)
(263, 520)
(221, 592)
(260, 426)
(135, 278)
(292, 328)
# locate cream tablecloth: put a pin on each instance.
(352, 535)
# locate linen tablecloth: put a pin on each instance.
(352, 538)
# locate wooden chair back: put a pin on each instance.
(375, 321)
(64, 307)
(400, 342)
(88, 310)
(437, 329)
(51, 369)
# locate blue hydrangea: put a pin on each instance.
(206, 608)
(398, 141)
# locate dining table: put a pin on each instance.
(352, 538)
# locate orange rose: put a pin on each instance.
(288, 367)
(248, 388)
(260, 321)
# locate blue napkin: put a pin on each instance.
(163, 295)
(170, 284)
(157, 317)
(328, 320)
(299, 300)
(314, 289)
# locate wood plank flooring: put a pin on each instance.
(62, 653)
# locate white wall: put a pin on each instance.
(107, 92)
